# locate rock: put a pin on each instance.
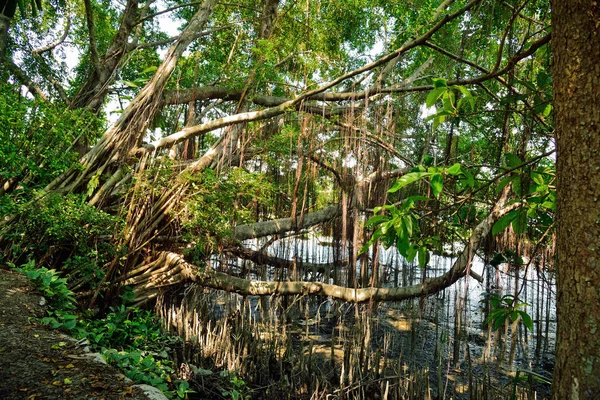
(97, 357)
(151, 392)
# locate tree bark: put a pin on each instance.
(576, 80)
(283, 225)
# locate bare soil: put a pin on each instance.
(39, 363)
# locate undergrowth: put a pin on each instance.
(130, 338)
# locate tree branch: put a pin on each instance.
(58, 41)
(22, 77)
(174, 269)
(89, 16)
(282, 225)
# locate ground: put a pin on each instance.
(39, 363)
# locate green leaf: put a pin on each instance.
(403, 244)
(423, 256)
(519, 224)
(470, 180)
(467, 96)
(407, 180)
(411, 253)
(439, 83)
(433, 96)
(152, 68)
(376, 220)
(505, 181)
(130, 84)
(503, 222)
(512, 160)
(498, 322)
(527, 321)
(408, 224)
(437, 184)
(454, 170)
(409, 202)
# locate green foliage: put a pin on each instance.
(505, 308)
(238, 389)
(534, 186)
(59, 297)
(448, 95)
(57, 225)
(216, 201)
(142, 368)
(132, 339)
(53, 287)
(399, 226)
(35, 139)
(124, 329)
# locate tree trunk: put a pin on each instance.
(95, 89)
(576, 80)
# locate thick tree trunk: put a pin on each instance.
(4, 25)
(576, 79)
(95, 89)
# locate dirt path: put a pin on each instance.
(39, 363)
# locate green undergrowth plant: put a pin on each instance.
(61, 303)
(67, 233)
(238, 388)
(505, 308)
(128, 337)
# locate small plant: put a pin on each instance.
(60, 298)
(127, 328)
(183, 389)
(142, 368)
(504, 308)
(238, 390)
(50, 284)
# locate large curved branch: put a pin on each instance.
(58, 41)
(282, 225)
(262, 258)
(173, 269)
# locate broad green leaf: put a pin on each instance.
(519, 224)
(512, 160)
(437, 184)
(469, 179)
(433, 96)
(411, 253)
(408, 225)
(407, 180)
(409, 202)
(514, 315)
(503, 222)
(423, 256)
(527, 321)
(403, 244)
(439, 83)
(131, 84)
(498, 322)
(152, 68)
(376, 220)
(454, 170)
(505, 181)
(517, 186)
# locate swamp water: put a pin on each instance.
(314, 347)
